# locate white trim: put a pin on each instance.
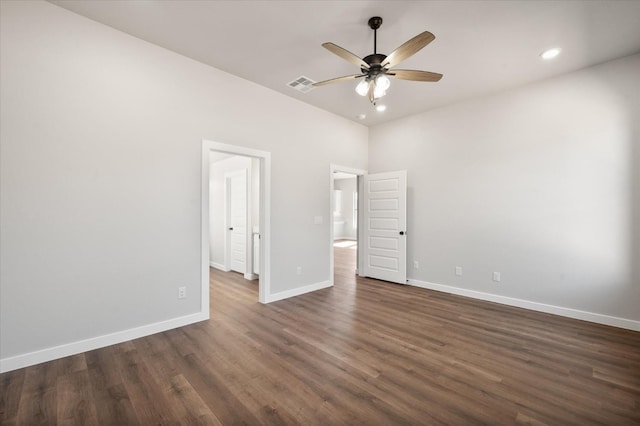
(358, 172)
(299, 291)
(205, 236)
(534, 306)
(56, 352)
(250, 276)
(264, 284)
(218, 266)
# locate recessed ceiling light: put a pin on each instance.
(361, 116)
(550, 53)
(381, 108)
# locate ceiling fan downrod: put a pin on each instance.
(374, 24)
(375, 84)
(375, 59)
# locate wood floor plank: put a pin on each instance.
(112, 402)
(38, 399)
(143, 389)
(75, 403)
(361, 352)
(190, 408)
(210, 385)
(262, 391)
(11, 384)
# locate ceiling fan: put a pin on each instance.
(377, 68)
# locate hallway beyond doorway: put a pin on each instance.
(345, 260)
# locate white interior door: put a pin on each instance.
(385, 221)
(237, 220)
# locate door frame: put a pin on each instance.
(264, 279)
(360, 173)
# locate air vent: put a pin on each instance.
(302, 84)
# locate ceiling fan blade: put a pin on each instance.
(338, 79)
(345, 54)
(415, 75)
(409, 48)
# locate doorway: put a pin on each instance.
(234, 217)
(346, 216)
(255, 236)
(382, 219)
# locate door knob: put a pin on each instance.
(401, 232)
(230, 229)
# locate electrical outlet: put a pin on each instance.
(299, 270)
(182, 292)
(459, 271)
(496, 276)
(416, 264)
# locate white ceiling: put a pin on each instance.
(480, 46)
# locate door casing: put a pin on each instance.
(264, 280)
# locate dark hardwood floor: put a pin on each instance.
(362, 352)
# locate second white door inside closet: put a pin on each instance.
(236, 185)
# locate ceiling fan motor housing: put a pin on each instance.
(375, 62)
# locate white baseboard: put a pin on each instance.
(218, 266)
(56, 352)
(534, 306)
(250, 276)
(298, 291)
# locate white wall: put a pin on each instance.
(540, 183)
(347, 188)
(101, 138)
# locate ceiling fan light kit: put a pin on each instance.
(363, 88)
(377, 68)
(380, 85)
